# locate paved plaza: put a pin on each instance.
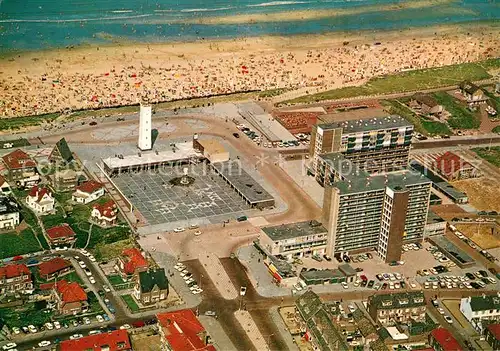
(152, 194)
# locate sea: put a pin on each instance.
(46, 24)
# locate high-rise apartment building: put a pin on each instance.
(376, 145)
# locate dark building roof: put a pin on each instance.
(149, 279)
(61, 149)
(468, 87)
(485, 302)
(425, 99)
(367, 124)
(8, 205)
(397, 300)
(294, 230)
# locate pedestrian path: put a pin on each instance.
(249, 326)
(218, 275)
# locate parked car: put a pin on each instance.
(179, 229)
(243, 290)
(9, 346)
(45, 343)
(75, 336)
(448, 319)
(345, 285)
(210, 313)
(236, 135)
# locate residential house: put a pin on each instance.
(365, 326)
(4, 186)
(15, 278)
(151, 286)
(453, 167)
(317, 323)
(442, 340)
(61, 235)
(472, 93)
(492, 336)
(131, 261)
(9, 213)
(116, 340)
(40, 200)
(481, 310)
(61, 153)
(64, 180)
(53, 268)
(391, 309)
(88, 192)
(104, 214)
(182, 331)
(426, 104)
(69, 297)
(21, 169)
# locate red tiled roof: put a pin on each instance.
(107, 209)
(18, 159)
(495, 330)
(2, 180)
(449, 163)
(47, 286)
(70, 292)
(53, 266)
(39, 193)
(89, 187)
(182, 329)
(446, 340)
(112, 341)
(133, 259)
(13, 270)
(60, 231)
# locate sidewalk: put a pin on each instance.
(218, 275)
(248, 324)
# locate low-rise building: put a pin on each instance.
(295, 240)
(182, 331)
(391, 309)
(131, 262)
(435, 225)
(481, 310)
(21, 169)
(211, 149)
(472, 93)
(105, 214)
(40, 200)
(14, 279)
(426, 104)
(69, 297)
(151, 286)
(4, 186)
(88, 192)
(64, 180)
(53, 268)
(492, 336)
(453, 167)
(61, 153)
(9, 213)
(442, 340)
(61, 235)
(116, 340)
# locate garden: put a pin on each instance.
(130, 302)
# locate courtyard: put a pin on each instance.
(159, 201)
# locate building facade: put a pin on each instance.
(40, 200)
(54, 268)
(130, 262)
(374, 145)
(9, 213)
(151, 286)
(64, 180)
(116, 340)
(481, 310)
(391, 309)
(14, 279)
(21, 169)
(442, 340)
(104, 215)
(492, 335)
(88, 192)
(70, 298)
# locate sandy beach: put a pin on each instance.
(90, 77)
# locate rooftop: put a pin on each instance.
(180, 151)
(18, 159)
(212, 146)
(60, 231)
(397, 300)
(63, 149)
(89, 187)
(322, 274)
(294, 230)
(70, 292)
(425, 99)
(149, 279)
(485, 302)
(446, 340)
(7, 205)
(111, 341)
(495, 330)
(107, 209)
(133, 259)
(13, 270)
(347, 269)
(432, 217)
(54, 265)
(363, 125)
(446, 245)
(449, 163)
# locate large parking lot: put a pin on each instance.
(209, 196)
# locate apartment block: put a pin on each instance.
(392, 309)
(481, 311)
(376, 145)
(363, 211)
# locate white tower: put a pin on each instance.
(144, 142)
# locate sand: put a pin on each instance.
(482, 192)
(92, 77)
(481, 234)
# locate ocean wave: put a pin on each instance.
(279, 3)
(122, 11)
(71, 20)
(206, 10)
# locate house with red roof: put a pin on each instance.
(54, 268)
(61, 235)
(21, 168)
(15, 278)
(182, 331)
(442, 340)
(131, 261)
(492, 335)
(69, 297)
(88, 192)
(40, 200)
(105, 214)
(453, 167)
(116, 340)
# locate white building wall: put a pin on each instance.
(144, 142)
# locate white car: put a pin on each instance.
(99, 318)
(197, 233)
(351, 307)
(92, 258)
(448, 319)
(92, 280)
(243, 290)
(179, 230)
(16, 330)
(184, 272)
(9, 346)
(196, 292)
(57, 325)
(44, 343)
(75, 336)
(413, 285)
(189, 281)
(345, 285)
(85, 252)
(86, 320)
(77, 258)
(441, 310)
(126, 327)
(106, 288)
(32, 329)
(82, 264)
(49, 326)
(95, 332)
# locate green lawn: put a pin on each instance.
(28, 313)
(410, 81)
(496, 129)
(21, 122)
(492, 155)
(132, 305)
(106, 252)
(436, 128)
(118, 283)
(494, 99)
(397, 108)
(13, 244)
(461, 117)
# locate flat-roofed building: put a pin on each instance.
(481, 311)
(375, 145)
(211, 149)
(295, 239)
